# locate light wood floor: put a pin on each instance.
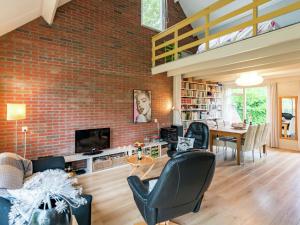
(266, 192)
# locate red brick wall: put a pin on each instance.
(80, 73)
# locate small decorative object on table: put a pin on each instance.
(239, 126)
(139, 145)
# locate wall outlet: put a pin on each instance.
(24, 129)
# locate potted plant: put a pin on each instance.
(45, 199)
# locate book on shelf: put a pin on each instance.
(193, 93)
(193, 85)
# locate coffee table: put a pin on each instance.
(137, 165)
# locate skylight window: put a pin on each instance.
(154, 14)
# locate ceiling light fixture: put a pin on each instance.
(249, 79)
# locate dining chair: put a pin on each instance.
(248, 143)
(258, 137)
(223, 140)
(265, 135)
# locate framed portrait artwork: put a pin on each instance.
(141, 106)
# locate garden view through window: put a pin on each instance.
(153, 14)
(250, 104)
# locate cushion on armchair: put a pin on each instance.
(185, 143)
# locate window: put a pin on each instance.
(250, 103)
(153, 14)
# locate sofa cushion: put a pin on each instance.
(13, 170)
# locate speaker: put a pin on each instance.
(179, 130)
(171, 133)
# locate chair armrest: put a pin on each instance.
(4, 211)
(138, 188)
(148, 185)
(83, 213)
(149, 179)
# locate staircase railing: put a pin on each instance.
(170, 43)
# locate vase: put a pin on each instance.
(48, 216)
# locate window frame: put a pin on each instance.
(163, 12)
(244, 95)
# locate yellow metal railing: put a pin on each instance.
(172, 36)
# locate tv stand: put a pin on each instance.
(93, 152)
(108, 159)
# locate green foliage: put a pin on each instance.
(256, 99)
(151, 14)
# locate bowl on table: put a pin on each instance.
(239, 126)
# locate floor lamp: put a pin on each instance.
(174, 109)
(158, 127)
(16, 112)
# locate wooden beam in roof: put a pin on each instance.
(49, 8)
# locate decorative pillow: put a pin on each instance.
(13, 169)
(184, 144)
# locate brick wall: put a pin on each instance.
(80, 73)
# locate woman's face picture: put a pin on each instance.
(142, 106)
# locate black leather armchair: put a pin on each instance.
(179, 189)
(82, 214)
(197, 130)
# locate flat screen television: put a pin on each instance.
(92, 141)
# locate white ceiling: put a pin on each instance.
(16, 13)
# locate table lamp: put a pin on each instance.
(16, 112)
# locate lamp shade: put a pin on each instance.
(249, 79)
(16, 112)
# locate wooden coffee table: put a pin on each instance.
(138, 165)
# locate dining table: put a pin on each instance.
(237, 133)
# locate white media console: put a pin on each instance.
(107, 153)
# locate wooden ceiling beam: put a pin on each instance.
(49, 8)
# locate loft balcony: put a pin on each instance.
(257, 34)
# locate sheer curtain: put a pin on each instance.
(272, 114)
(230, 113)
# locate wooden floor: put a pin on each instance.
(266, 192)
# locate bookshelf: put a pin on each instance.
(200, 101)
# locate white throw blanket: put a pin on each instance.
(39, 189)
